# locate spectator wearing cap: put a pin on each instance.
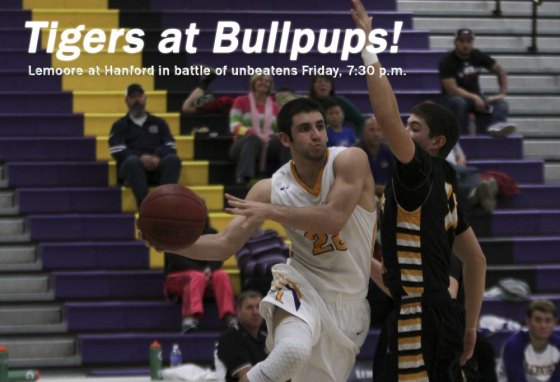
(533, 355)
(143, 147)
(459, 73)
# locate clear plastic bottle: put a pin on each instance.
(175, 357)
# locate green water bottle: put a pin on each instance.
(3, 364)
(23, 375)
(156, 363)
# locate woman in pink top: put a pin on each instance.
(256, 148)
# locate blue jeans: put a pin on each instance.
(461, 107)
(133, 174)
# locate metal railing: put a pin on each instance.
(497, 12)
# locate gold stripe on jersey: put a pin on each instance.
(316, 190)
(451, 219)
(410, 343)
(406, 257)
(411, 361)
(421, 376)
(409, 324)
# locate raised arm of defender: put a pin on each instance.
(382, 98)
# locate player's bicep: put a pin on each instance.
(351, 170)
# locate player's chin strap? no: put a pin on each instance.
(368, 57)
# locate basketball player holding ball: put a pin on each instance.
(316, 311)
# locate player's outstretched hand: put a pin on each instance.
(255, 212)
(468, 345)
(360, 16)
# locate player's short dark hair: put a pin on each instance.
(296, 106)
(544, 306)
(245, 295)
(440, 121)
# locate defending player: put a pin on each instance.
(421, 225)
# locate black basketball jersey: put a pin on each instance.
(420, 218)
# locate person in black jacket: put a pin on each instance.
(188, 280)
(143, 147)
(242, 345)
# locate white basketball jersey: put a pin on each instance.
(331, 263)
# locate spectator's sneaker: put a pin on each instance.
(485, 194)
(189, 324)
(501, 129)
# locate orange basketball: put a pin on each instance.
(172, 217)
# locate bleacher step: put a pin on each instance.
(12, 226)
(504, 25)
(476, 8)
(498, 44)
(27, 319)
(518, 83)
(552, 172)
(14, 285)
(12, 255)
(547, 149)
(41, 351)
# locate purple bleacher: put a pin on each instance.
(521, 250)
(68, 200)
(533, 196)
(133, 348)
(522, 171)
(47, 149)
(81, 227)
(94, 255)
(136, 315)
(514, 310)
(542, 279)
(408, 39)
(14, 38)
(11, 4)
(14, 18)
(256, 4)
(486, 147)
(123, 316)
(414, 79)
(17, 59)
(36, 103)
(525, 222)
(44, 125)
(18, 80)
(56, 174)
(104, 284)
(404, 59)
(246, 19)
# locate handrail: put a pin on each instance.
(533, 48)
(498, 11)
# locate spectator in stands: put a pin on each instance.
(337, 133)
(143, 147)
(242, 345)
(533, 355)
(198, 97)
(459, 72)
(472, 190)
(322, 90)
(188, 280)
(381, 160)
(256, 148)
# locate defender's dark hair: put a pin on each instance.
(440, 121)
(296, 106)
